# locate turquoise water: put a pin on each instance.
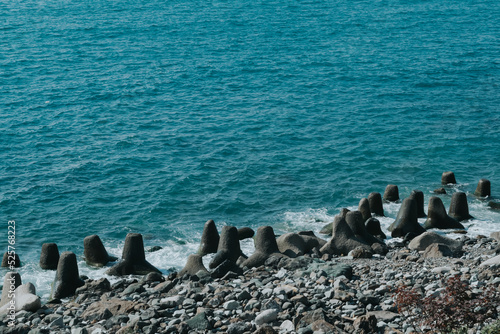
(155, 116)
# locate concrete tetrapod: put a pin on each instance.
(209, 239)
(67, 277)
(265, 246)
(228, 248)
(459, 208)
(343, 239)
(437, 216)
(483, 188)
(419, 197)
(49, 257)
(375, 202)
(448, 178)
(94, 252)
(406, 220)
(391, 193)
(133, 258)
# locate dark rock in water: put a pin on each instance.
(406, 220)
(265, 246)
(8, 261)
(372, 226)
(391, 193)
(245, 233)
(437, 216)
(193, 265)
(49, 256)
(440, 191)
(209, 239)
(12, 279)
(375, 202)
(459, 208)
(483, 188)
(494, 205)
(94, 252)
(343, 239)
(437, 251)
(67, 278)
(448, 178)
(225, 267)
(364, 208)
(419, 197)
(133, 258)
(291, 244)
(423, 241)
(154, 249)
(229, 247)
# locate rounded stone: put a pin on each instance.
(49, 257)
(391, 193)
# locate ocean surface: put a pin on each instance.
(155, 116)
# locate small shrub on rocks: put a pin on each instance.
(451, 311)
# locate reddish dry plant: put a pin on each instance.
(454, 308)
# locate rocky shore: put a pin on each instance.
(292, 283)
(306, 294)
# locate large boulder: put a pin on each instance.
(419, 197)
(25, 299)
(437, 251)
(459, 208)
(448, 178)
(375, 202)
(49, 256)
(426, 239)
(67, 278)
(438, 218)
(391, 193)
(133, 258)
(209, 239)
(265, 246)
(10, 283)
(343, 239)
(406, 220)
(94, 252)
(483, 188)
(228, 248)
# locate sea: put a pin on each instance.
(155, 116)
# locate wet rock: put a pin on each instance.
(406, 220)
(133, 258)
(448, 178)
(49, 256)
(438, 218)
(209, 239)
(94, 252)
(67, 277)
(483, 188)
(391, 193)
